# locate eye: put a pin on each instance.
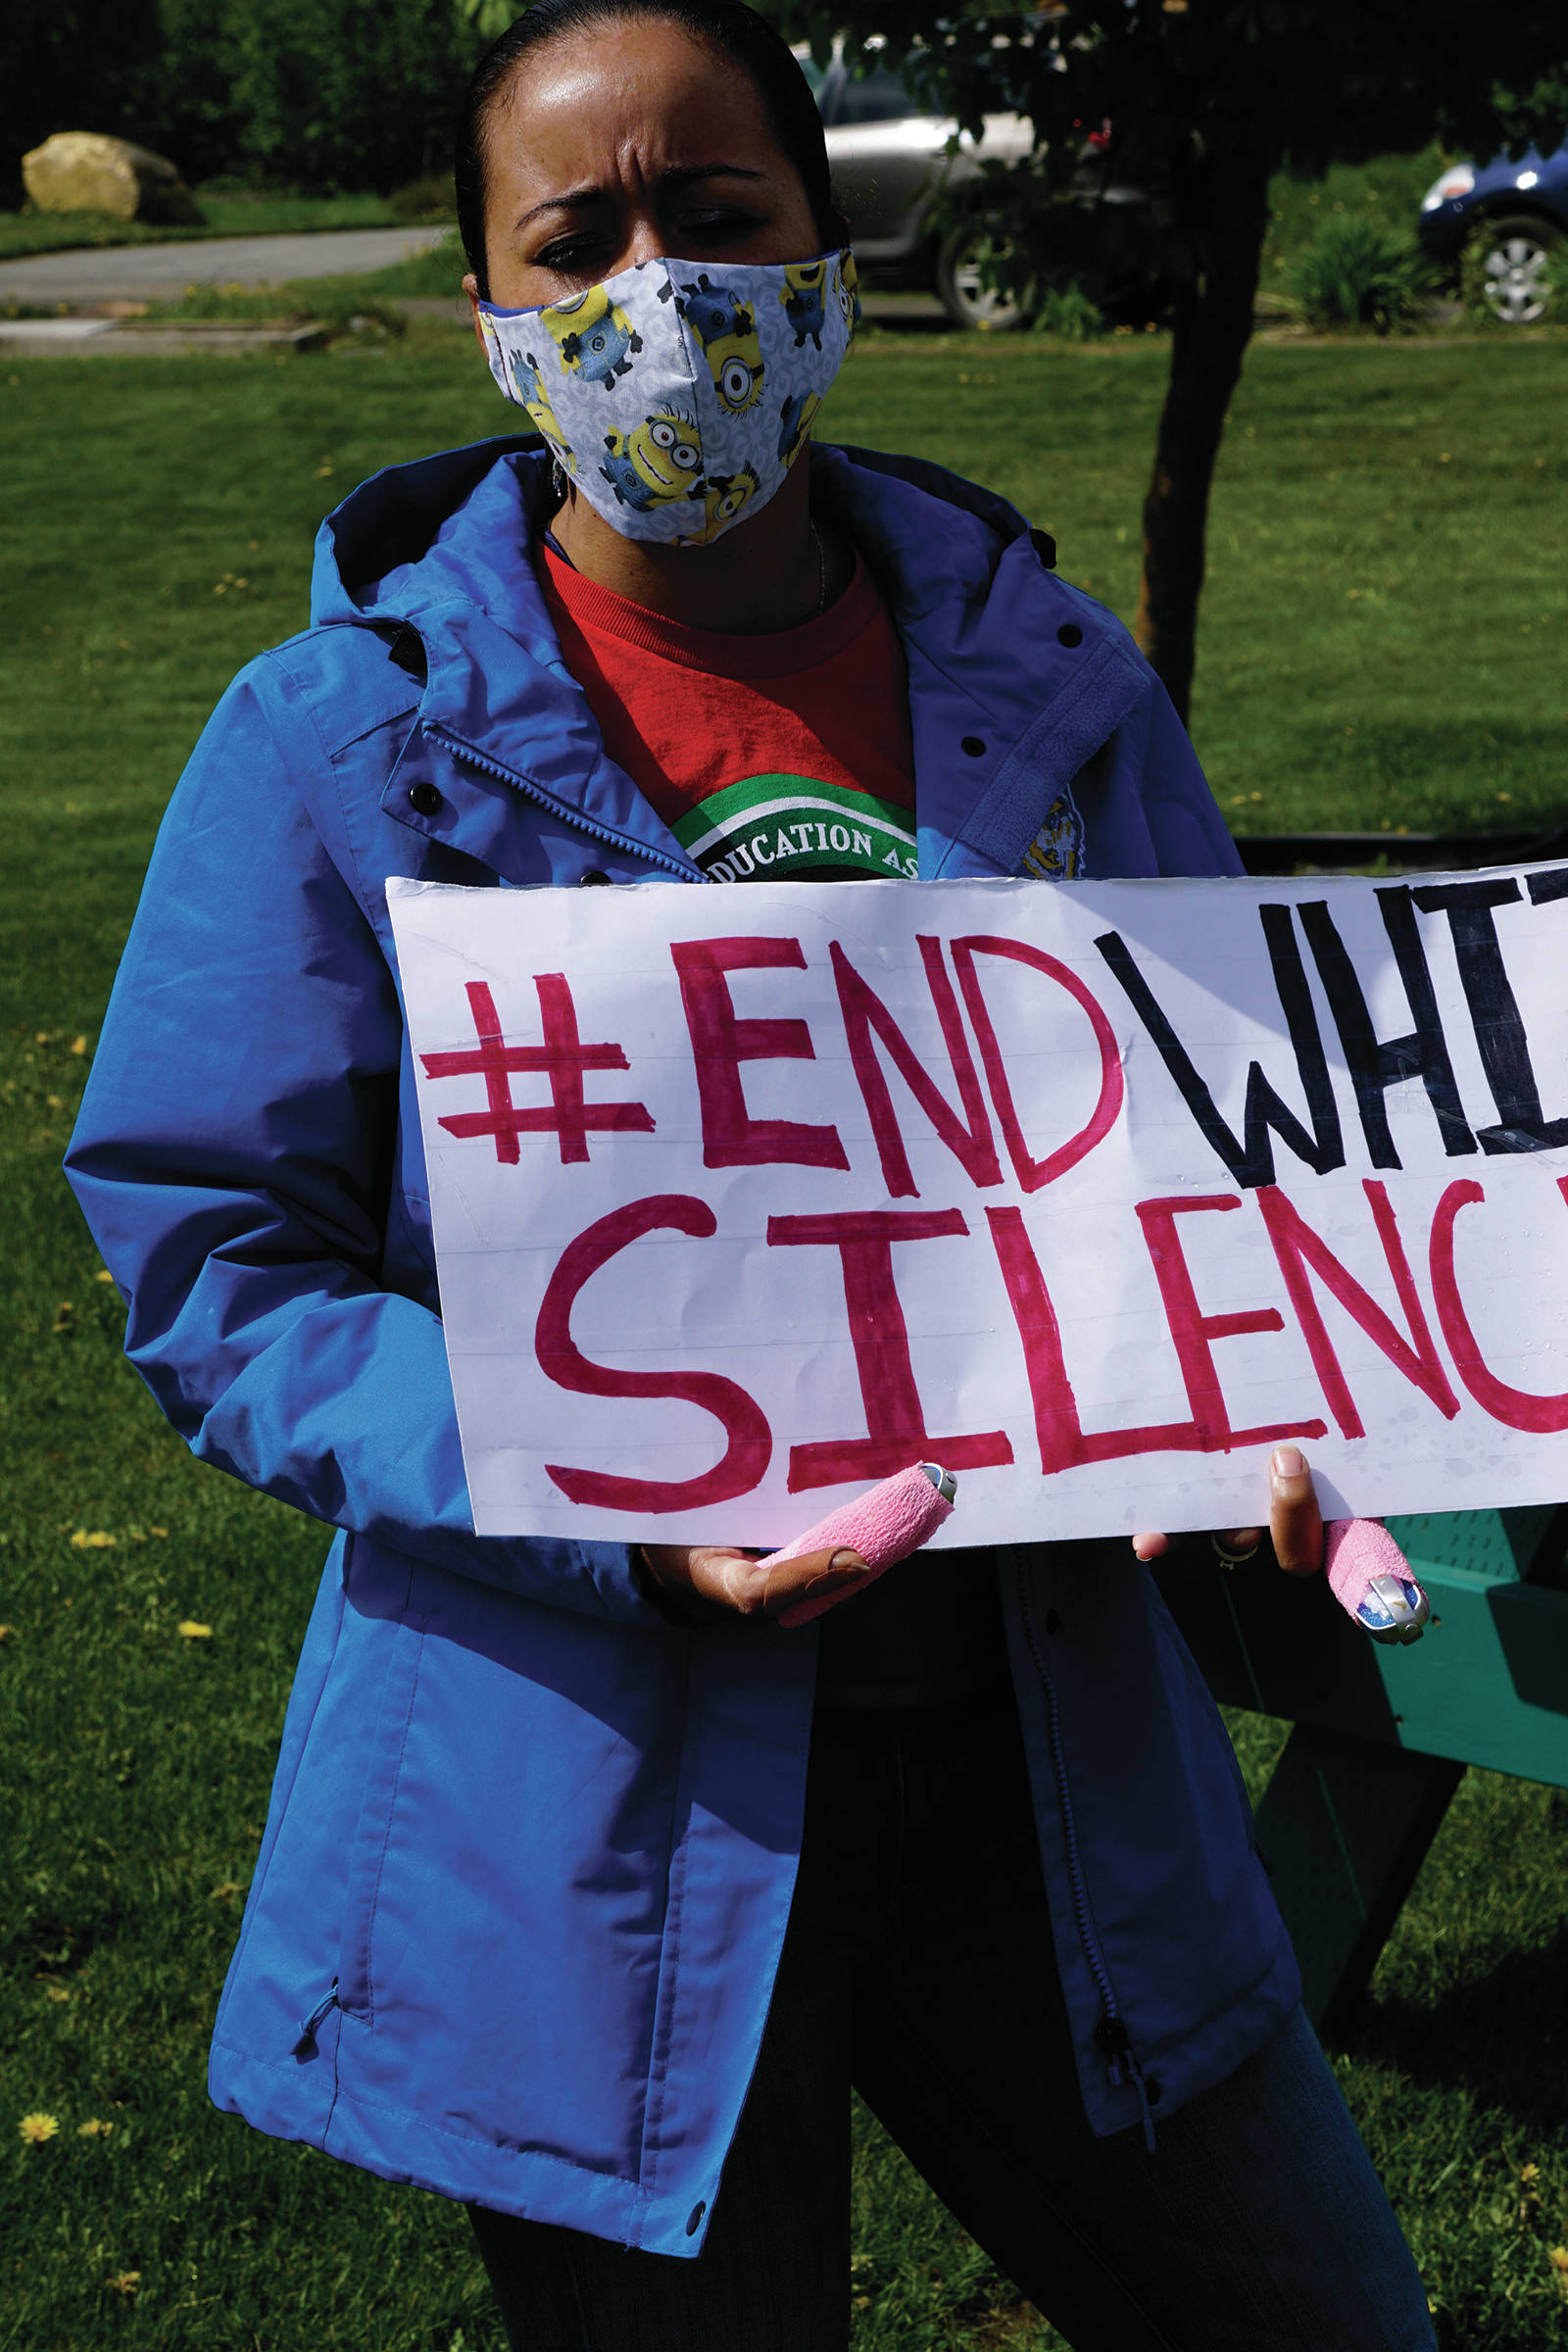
(736, 380)
(687, 458)
(663, 436)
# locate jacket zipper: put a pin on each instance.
(306, 2041)
(1112, 2034)
(568, 816)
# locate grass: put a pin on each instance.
(1381, 643)
(225, 213)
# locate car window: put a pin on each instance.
(878, 96)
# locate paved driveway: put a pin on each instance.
(162, 273)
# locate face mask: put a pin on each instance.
(677, 396)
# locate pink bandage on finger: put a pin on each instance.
(883, 1526)
(1372, 1580)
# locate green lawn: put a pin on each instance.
(1381, 640)
(225, 213)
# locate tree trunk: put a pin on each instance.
(1213, 326)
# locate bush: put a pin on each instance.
(1356, 274)
(1067, 313)
(433, 198)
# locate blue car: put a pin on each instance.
(1518, 209)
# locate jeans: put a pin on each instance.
(919, 1966)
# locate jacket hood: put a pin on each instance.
(448, 529)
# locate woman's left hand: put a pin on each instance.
(1294, 1522)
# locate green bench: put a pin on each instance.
(1382, 1734)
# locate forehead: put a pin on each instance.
(632, 99)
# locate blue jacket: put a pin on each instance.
(530, 1851)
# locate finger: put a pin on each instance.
(1151, 1547)
(810, 1576)
(1296, 1522)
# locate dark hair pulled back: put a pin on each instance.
(728, 27)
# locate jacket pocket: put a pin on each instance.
(372, 1835)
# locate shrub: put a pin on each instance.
(433, 198)
(1067, 313)
(1356, 274)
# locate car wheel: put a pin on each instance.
(960, 285)
(1515, 255)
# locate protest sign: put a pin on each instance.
(1092, 1194)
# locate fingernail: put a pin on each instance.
(1288, 1461)
(846, 1561)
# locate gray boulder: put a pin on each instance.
(89, 171)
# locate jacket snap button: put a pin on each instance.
(426, 798)
(694, 2220)
(1053, 1621)
(595, 873)
(1069, 634)
(974, 746)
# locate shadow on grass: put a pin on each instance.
(1499, 2033)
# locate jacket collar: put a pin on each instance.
(999, 654)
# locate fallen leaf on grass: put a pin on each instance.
(6, 1631)
(227, 1892)
(103, 1275)
(194, 1632)
(36, 2127)
(96, 1541)
(124, 2282)
(78, 1045)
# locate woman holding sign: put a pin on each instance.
(587, 1890)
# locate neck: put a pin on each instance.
(766, 574)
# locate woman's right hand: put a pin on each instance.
(746, 1585)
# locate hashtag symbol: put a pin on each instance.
(562, 1059)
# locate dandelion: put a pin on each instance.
(95, 1541)
(103, 1275)
(78, 1045)
(192, 1632)
(1559, 2258)
(157, 1531)
(94, 2128)
(38, 2127)
(6, 1631)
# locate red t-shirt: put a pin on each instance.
(782, 758)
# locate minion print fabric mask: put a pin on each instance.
(677, 396)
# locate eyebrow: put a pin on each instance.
(679, 175)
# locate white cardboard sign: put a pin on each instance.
(1092, 1193)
